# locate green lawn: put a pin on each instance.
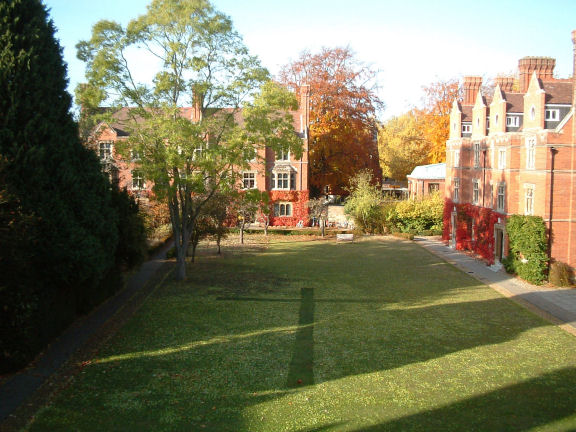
(318, 336)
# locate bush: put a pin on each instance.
(404, 235)
(421, 216)
(561, 274)
(527, 243)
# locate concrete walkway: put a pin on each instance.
(16, 390)
(555, 304)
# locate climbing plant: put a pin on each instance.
(527, 244)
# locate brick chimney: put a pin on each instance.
(543, 66)
(304, 107)
(197, 101)
(506, 83)
(471, 86)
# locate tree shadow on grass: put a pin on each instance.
(537, 402)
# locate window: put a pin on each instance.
(105, 149)
(456, 162)
(280, 180)
(475, 191)
(138, 180)
(501, 200)
(283, 155)
(456, 193)
(283, 209)
(284, 180)
(501, 158)
(512, 121)
(433, 187)
(249, 180)
(528, 199)
(552, 114)
(533, 113)
(466, 128)
(198, 151)
(530, 153)
(135, 154)
(496, 119)
(476, 155)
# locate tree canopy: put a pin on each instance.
(402, 145)
(343, 108)
(202, 61)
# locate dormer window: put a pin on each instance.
(283, 155)
(512, 121)
(552, 114)
(466, 128)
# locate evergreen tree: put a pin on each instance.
(47, 173)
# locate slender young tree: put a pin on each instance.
(200, 61)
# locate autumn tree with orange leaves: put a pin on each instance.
(343, 108)
(435, 116)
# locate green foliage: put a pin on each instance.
(364, 202)
(417, 216)
(527, 244)
(63, 222)
(204, 63)
(132, 246)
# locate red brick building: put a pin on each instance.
(282, 175)
(426, 179)
(513, 152)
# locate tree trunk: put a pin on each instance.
(266, 223)
(218, 243)
(180, 264)
(242, 232)
(322, 225)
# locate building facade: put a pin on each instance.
(426, 179)
(513, 152)
(282, 175)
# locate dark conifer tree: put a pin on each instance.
(49, 177)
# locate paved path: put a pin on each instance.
(557, 305)
(17, 389)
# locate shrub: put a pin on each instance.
(365, 203)
(561, 274)
(527, 242)
(404, 235)
(417, 216)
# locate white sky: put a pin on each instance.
(411, 43)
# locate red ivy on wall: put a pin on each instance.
(300, 212)
(474, 228)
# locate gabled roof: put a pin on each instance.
(514, 102)
(122, 118)
(466, 113)
(558, 92)
(431, 172)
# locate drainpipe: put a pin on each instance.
(553, 152)
(483, 178)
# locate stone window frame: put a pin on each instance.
(249, 180)
(283, 209)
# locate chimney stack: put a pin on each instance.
(506, 83)
(472, 85)
(543, 66)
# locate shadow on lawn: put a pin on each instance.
(362, 328)
(520, 407)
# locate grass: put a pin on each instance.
(318, 336)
